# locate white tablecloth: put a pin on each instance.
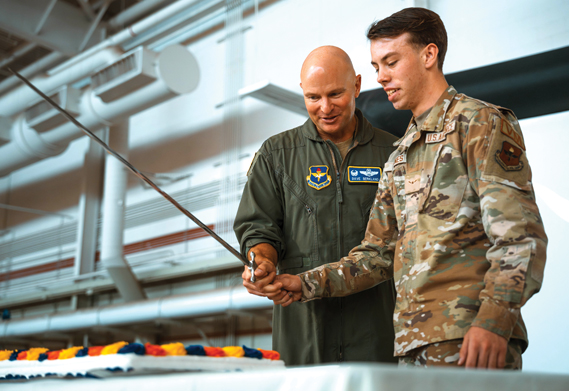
(353, 377)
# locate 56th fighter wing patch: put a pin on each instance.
(358, 174)
(318, 177)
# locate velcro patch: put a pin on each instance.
(357, 174)
(400, 159)
(435, 137)
(318, 177)
(509, 157)
(511, 133)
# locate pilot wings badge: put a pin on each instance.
(318, 177)
(364, 174)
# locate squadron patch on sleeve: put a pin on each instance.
(509, 157)
(318, 177)
(357, 174)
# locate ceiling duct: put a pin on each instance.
(177, 72)
(131, 72)
(42, 116)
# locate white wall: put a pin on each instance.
(184, 135)
(546, 140)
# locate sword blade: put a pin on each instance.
(133, 169)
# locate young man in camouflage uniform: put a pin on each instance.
(307, 200)
(454, 220)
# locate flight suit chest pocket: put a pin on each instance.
(445, 184)
(288, 264)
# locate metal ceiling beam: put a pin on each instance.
(94, 24)
(87, 9)
(45, 16)
(63, 30)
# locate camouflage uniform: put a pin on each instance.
(456, 223)
(447, 353)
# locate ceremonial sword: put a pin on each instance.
(252, 265)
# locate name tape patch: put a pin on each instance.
(400, 159)
(435, 137)
(357, 174)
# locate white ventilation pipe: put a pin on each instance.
(177, 73)
(18, 99)
(85, 63)
(182, 306)
(112, 230)
(128, 33)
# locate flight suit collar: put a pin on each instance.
(364, 132)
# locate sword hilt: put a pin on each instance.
(252, 267)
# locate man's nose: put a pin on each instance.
(382, 75)
(326, 106)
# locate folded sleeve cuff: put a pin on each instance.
(497, 317)
(250, 243)
(310, 288)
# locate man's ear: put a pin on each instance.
(430, 55)
(358, 85)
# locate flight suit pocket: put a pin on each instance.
(286, 265)
(445, 185)
(300, 226)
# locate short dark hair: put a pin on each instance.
(423, 25)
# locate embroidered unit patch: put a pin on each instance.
(509, 157)
(358, 174)
(318, 177)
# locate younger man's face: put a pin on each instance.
(400, 70)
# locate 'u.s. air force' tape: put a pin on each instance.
(358, 174)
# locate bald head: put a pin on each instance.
(328, 59)
(330, 86)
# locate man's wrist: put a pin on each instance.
(496, 317)
(264, 251)
(308, 289)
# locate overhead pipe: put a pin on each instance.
(23, 50)
(136, 11)
(85, 63)
(128, 33)
(191, 305)
(18, 99)
(40, 65)
(177, 73)
(112, 230)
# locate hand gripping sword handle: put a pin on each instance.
(252, 267)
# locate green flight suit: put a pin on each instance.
(312, 207)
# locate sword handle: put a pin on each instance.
(252, 267)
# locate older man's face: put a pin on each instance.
(330, 97)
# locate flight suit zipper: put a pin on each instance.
(340, 200)
(339, 197)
